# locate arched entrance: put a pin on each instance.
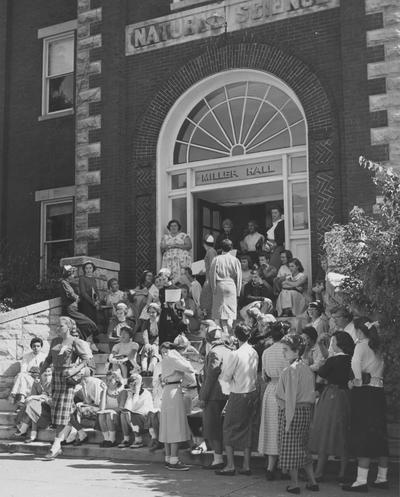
(233, 145)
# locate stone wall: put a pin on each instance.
(383, 40)
(17, 328)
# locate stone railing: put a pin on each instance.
(17, 328)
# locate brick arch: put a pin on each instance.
(309, 90)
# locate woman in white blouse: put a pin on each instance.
(368, 435)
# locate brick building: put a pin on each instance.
(117, 115)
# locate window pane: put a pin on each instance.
(206, 216)
(216, 220)
(298, 165)
(59, 221)
(57, 251)
(179, 211)
(236, 90)
(178, 181)
(180, 153)
(298, 134)
(61, 93)
(257, 89)
(299, 206)
(61, 56)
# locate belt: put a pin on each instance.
(172, 382)
(189, 388)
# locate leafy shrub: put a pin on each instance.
(367, 251)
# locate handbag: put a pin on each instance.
(73, 380)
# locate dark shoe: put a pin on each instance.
(360, 488)
(312, 487)
(30, 440)
(18, 436)
(179, 466)
(124, 444)
(293, 490)
(269, 475)
(155, 445)
(105, 443)
(64, 442)
(245, 472)
(78, 442)
(383, 485)
(225, 472)
(220, 465)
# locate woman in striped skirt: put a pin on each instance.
(64, 351)
(295, 395)
(273, 363)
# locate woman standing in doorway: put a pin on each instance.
(275, 237)
(226, 282)
(176, 247)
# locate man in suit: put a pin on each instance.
(211, 397)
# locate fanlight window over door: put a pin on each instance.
(238, 119)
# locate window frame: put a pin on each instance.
(44, 204)
(45, 113)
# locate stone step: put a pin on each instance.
(6, 405)
(7, 418)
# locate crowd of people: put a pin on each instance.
(276, 368)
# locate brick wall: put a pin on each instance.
(38, 155)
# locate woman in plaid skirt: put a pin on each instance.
(64, 351)
(295, 395)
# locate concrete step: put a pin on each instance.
(6, 405)
(7, 418)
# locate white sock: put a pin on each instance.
(362, 475)
(173, 460)
(382, 475)
(126, 438)
(33, 435)
(112, 436)
(152, 433)
(106, 436)
(23, 428)
(138, 439)
(56, 445)
(168, 459)
(81, 434)
(218, 458)
(135, 428)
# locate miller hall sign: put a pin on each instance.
(214, 19)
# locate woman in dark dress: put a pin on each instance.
(70, 300)
(330, 429)
(88, 291)
(368, 432)
(64, 351)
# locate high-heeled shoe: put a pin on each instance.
(293, 490)
(50, 456)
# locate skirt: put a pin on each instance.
(206, 298)
(62, 399)
(238, 421)
(38, 412)
(268, 437)
(212, 420)
(174, 426)
(293, 445)
(368, 431)
(225, 300)
(23, 384)
(331, 424)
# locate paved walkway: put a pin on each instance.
(23, 475)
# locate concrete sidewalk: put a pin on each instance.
(24, 475)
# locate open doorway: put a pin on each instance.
(240, 204)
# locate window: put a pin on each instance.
(57, 233)
(240, 118)
(58, 73)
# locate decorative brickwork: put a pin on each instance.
(88, 126)
(297, 75)
(384, 30)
